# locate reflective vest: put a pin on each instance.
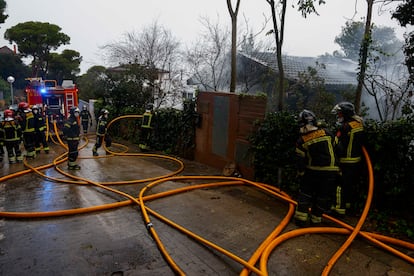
(349, 140)
(315, 151)
(28, 123)
(146, 120)
(11, 131)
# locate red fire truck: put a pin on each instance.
(55, 100)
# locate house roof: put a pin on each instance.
(336, 71)
(6, 50)
(123, 68)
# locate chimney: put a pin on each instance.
(15, 49)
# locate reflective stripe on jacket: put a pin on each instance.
(349, 139)
(315, 151)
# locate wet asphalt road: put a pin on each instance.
(116, 241)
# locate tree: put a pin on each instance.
(37, 39)
(208, 57)
(233, 16)
(127, 90)
(154, 48)
(12, 65)
(309, 92)
(384, 44)
(3, 16)
(64, 66)
(91, 84)
(278, 9)
(405, 16)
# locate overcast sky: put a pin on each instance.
(93, 23)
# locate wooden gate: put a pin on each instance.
(227, 120)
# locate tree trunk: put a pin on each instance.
(279, 33)
(233, 15)
(366, 41)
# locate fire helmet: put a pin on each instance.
(23, 106)
(8, 115)
(307, 117)
(346, 109)
(73, 110)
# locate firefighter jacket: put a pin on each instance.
(349, 141)
(10, 131)
(146, 119)
(315, 150)
(101, 126)
(71, 128)
(28, 122)
(85, 116)
(40, 124)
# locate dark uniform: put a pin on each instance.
(318, 170)
(86, 119)
(40, 131)
(28, 128)
(349, 141)
(101, 132)
(11, 133)
(71, 131)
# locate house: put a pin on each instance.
(257, 71)
(6, 50)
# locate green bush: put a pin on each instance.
(174, 131)
(273, 147)
(391, 149)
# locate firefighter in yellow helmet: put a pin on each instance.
(317, 168)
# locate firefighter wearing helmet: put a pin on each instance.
(40, 127)
(71, 131)
(86, 119)
(11, 134)
(101, 132)
(349, 141)
(317, 169)
(27, 123)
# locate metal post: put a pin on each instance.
(10, 79)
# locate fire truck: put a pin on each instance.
(55, 100)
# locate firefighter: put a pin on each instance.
(317, 169)
(71, 131)
(40, 130)
(146, 128)
(86, 119)
(101, 132)
(27, 122)
(349, 141)
(11, 133)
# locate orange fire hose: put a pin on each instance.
(262, 253)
